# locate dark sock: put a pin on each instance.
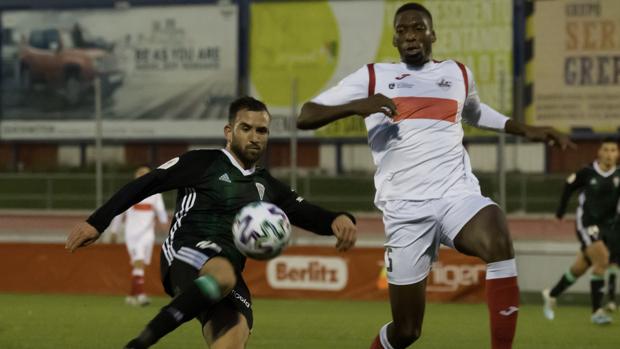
(597, 283)
(198, 296)
(611, 287)
(565, 282)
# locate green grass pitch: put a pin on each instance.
(67, 321)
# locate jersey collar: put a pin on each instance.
(427, 66)
(598, 169)
(237, 165)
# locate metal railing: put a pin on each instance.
(526, 193)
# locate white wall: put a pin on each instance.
(111, 154)
(525, 157)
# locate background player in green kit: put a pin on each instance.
(612, 241)
(200, 266)
(599, 184)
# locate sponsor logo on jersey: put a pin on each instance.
(225, 178)
(616, 181)
(240, 298)
(169, 164)
(307, 273)
(402, 76)
(449, 277)
(261, 190)
(444, 84)
(393, 85)
(507, 312)
(593, 181)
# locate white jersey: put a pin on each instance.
(140, 218)
(419, 152)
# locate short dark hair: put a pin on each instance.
(245, 103)
(415, 7)
(609, 139)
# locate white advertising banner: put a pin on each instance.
(577, 64)
(165, 72)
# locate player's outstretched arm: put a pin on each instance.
(574, 182)
(184, 171)
(314, 218)
(545, 134)
(314, 115)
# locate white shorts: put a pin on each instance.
(140, 247)
(415, 229)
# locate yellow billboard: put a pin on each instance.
(341, 36)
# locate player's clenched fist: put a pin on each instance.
(374, 104)
(345, 231)
(81, 235)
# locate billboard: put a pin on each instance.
(341, 36)
(301, 272)
(577, 64)
(164, 72)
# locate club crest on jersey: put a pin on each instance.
(261, 190)
(593, 181)
(444, 84)
(616, 181)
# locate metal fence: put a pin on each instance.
(526, 193)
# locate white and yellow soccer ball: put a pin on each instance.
(261, 230)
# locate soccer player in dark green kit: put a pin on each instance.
(612, 241)
(599, 186)
(200, 266)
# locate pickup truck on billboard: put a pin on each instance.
(65, 62)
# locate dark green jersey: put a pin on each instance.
(212, 188)
(598, 199)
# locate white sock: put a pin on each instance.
(502, 269)
(137, 272)
(383, 337)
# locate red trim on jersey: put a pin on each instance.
(426, 108)
(371, 79)
(465, 79)
(143, 207)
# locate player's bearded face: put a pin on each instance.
(248, 136)
(413, 37)
(608, 154)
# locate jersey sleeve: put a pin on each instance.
(185, 171)
(352, 87)
(303, 214)
(478, 114)
(573, 182)
(160, 209)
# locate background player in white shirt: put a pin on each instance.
(424, 183)
(139, 237)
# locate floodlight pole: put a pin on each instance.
(293, 134)
(98, 145)
(501, 163)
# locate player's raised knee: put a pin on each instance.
(222, 271)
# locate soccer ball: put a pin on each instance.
(261, 230)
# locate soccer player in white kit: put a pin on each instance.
(424, 182)
(139, 238)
